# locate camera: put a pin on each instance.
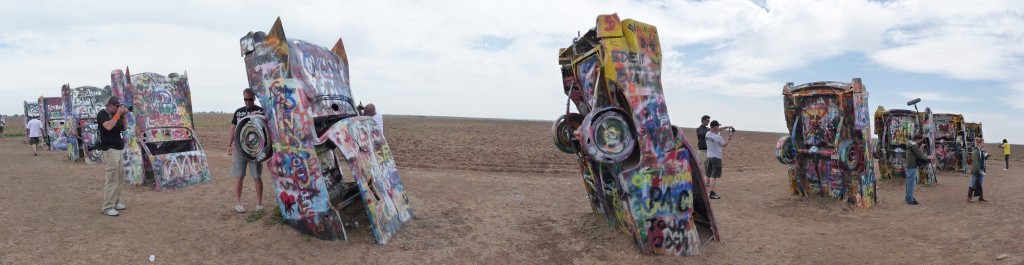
(130, 108)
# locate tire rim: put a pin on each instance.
(253, 139)
(612, 134)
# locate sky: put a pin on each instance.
(498, 59)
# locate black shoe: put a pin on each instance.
(913, 203)
(715, 196)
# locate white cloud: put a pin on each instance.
(936, 96)
(498, 59)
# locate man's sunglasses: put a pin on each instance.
(250, 99)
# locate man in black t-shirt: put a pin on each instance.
(702, 145)
(239, 162)
(110, 127)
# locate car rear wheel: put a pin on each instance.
(851, 156)
(563, 132)
(784, 151)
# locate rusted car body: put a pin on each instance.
(827, 150)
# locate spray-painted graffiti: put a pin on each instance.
(827, 149)
(326, 80)
(654, 193)
(161, 101)
(949, 148)
(972, 131)
(81, 104)
(901, 129)
(299, 83)
(895, 130)
(160, 142)
(179, 170)
(52, 116)
(32, 109)
(927, 172)
(373, 167)
(820, 118)
(121, 87)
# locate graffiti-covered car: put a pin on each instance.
(160, 141)
(949, 145)
(310, 130)
(972, 131)
(827, 150)
(81, 104)
(52, 116)
(637, 173)
(895, 130)
(31, 112)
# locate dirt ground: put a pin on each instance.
(495, 192)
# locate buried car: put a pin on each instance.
(310, 131)
(637, 171)
(949, 142)
(895, 130)
(160, 143)
(31, 110)
(827, 148)
(52, 116)
(972, 131)
(81, 104)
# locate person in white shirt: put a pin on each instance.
(3, 123)
(715, 146)
(34, 130)
(371, 110)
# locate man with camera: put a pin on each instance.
(110, 127)
(371, 110)
(914, 158)
(715, 147)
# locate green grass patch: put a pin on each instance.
(276, 218)
(255, 216)
(9, 134)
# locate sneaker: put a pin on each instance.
(111, 212)
(913, 203)
(715, 196)
(259, 208)
(239, 208)
(120, 206)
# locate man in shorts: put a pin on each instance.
(34, 130)
(715, 146)
(240, 163)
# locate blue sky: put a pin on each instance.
(728, 58)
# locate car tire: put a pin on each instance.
(253, 138)
(850, 155)
(609, 137)
(784, 151)
(563, 132)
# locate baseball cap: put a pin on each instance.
(715, 123)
